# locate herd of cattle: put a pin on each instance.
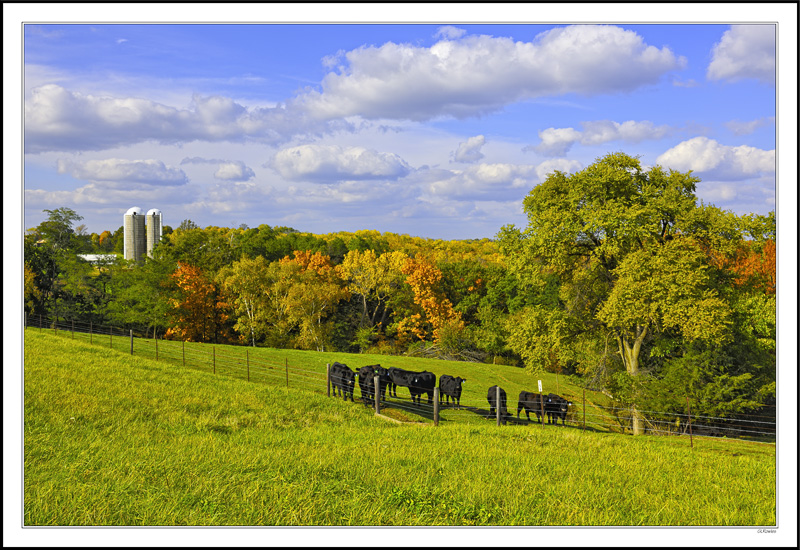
(343, 379)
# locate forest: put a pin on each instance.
(621, 279)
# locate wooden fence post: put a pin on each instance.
(156, 339)
(541, 405)
(40, 322)
(584, 409)
(286, 363)
(435, 406)
(247, 353)
(214, 358)
(328, 377)
(497, 403)
(183, 351)
(689, 415)
(131, 341)
(73, 329)
(377, 387)
(111, 337)
(90, 332)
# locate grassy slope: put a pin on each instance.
(112, 439)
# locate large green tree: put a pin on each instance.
(628, 248)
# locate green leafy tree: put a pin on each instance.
(626, 246)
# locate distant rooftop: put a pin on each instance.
(96, 258)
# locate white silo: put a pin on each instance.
(135, 238)
(153, 229)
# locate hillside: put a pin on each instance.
(114, 439)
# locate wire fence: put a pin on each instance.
(592, 414)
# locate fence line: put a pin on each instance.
(198, 356)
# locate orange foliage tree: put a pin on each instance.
(438, 315)
(201, 312)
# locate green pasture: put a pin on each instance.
(115, 439)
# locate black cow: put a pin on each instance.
(494, 405)
(422, 382)
(556, 407)
(531, 403)
(450, 387)
(366, 381)
(399, 377)
(344, 379)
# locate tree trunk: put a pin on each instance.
(630, 358)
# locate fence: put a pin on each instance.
(247, 364)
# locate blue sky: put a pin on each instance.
(436, 130)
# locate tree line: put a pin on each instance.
(621, 279)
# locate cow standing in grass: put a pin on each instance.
(556, 407)
(531, 403)
(343, 379)
(423, 382)
(494, 405)
(450, 387)
(366, 381)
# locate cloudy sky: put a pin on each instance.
(436, 130)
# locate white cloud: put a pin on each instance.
(479, 74)
(470, 150)
(745, 51)
(449, 32)
(234, 171)
(124, 172)
(562, 165)
(710, 159)
(57, 119)
(740, 128)
(483, 181)
(558, 141)
(329, 163)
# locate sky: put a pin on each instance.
(433, 130)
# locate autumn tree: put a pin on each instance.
(314, 294)
(200, 310)
(437, 316)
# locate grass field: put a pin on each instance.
(115, 439)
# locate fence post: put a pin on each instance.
(90, 332)
(247, 354)
(286, 363)
(73, 329)
(541, 405)
(183, 351)
(584, 409)
(328, 377)
(111, 337)
(497, 403)
(435, 406)
(131, 341)
(214, 358)
(377, 388)
(156, 339)
(689, 415)
(40, 322)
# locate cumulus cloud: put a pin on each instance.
(470, 150)
(124, 172)
(556, 142)
(57, 119)
(229, 170)
(473, 75)
(562, 165)
(234, 171)
(328, 163)
(712, 160)
(482, 181)
(740, 128)
(745, 51)
(450, 32)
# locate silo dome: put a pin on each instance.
(153, 212)
(134, 210)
